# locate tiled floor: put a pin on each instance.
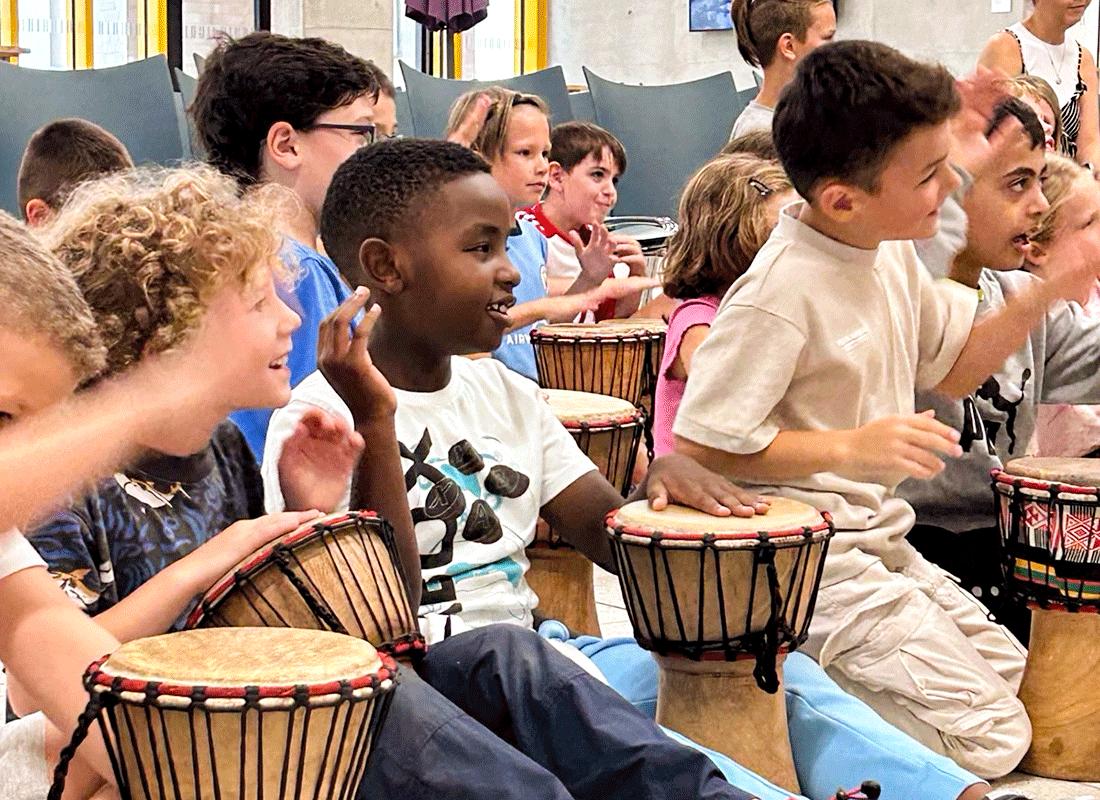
(614, 622)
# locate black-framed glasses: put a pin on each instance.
(366, 129)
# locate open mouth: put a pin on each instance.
(280, 362)
(1022, 243)
(499, 309)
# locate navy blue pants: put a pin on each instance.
(498, 713)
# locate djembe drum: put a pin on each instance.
(243, 713)
(607, 429)
(338, 574)
(719, 601)
(1049, 518)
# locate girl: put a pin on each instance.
(727, 212)
(1038, 46)
(1040, 97)
(515, 140)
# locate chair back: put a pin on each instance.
(404, 114)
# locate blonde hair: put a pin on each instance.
(38, 297)
(491, 139)
(1059, 177)
(723, 223)
(151, 247)
(1038, 89)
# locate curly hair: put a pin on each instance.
(1059, 177)
(151, 247)
(491, 139)
(723, 223)
(38, 297)
(249, 84)
(375, 193)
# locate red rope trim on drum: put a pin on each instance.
(806, 531)
(411, 644)
(1003, 479)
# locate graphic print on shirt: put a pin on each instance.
(991, 409)
(458, 496)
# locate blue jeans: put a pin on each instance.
(498, 713)
(837, 740)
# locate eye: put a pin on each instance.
(480, 247)
(5, 418)
(1019, 186)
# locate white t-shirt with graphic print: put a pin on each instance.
(16, 553)
(481, 457)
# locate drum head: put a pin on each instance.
(574, 408)
(235, 657)
(784, 515)
(651, 232)
(658, 326)
(1075, 471)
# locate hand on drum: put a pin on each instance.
(316, 463)
(346, 363)
(891, 449)
(677, 478)
(224, 551)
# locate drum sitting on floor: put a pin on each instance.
(1049, 518)
(339, 573)
(719, 601)
(608, 430)
(243, 713)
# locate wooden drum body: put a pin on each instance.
(338, 574)
(719, 600)
(1049, 518)
(247, 714)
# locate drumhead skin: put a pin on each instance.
(574, 408)
(1075, 471)
(635, 324)
(573, 330)
(784, 515)
(234, 657)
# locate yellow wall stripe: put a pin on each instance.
(456, 40)
(156, 27)
(9, 22)
(532, 35)
(83, 44)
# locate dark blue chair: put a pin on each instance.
(185, 95)
(668, 132)
(135, 102)
(581, 103)
(430, 98)
(404, 113)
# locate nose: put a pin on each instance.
(1039, 204)
(508, 276)
(290, 320)
(543, 164)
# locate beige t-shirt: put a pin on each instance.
(819, 335)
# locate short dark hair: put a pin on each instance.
(61, 155)
(385, 85)
(249, 84)
(375, 193)
(849, 105)
(760, 24)
(1015, 107)
(573, 142)
(759, 143)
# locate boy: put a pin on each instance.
(956, 526)
(385, 105)
(273, 109)
(586, 163)
(60, 155)
(837, 322)
(775, 35)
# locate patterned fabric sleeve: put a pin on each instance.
(72, 555)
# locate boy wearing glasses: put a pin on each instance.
(289, 111)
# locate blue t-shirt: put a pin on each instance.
(135, 523)
(527, 250)
(317, 293)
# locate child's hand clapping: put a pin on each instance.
(346, 363)
(316, 462)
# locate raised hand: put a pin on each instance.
(344, 360)
(467, 131)
(316, 462)
(891, 449)
(628, 251)
(975, 146)
(597, 256)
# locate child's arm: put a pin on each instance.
(577, 513)
(379, 482)
(565, 307)
(689, 343)
(628, 251)
(316, 462)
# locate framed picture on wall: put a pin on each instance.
(712, 15)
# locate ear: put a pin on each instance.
(283, 146)
(785, 47)
(555, 177)
(380, 267)
(1037, 256)
(840, 202)
(37, 212)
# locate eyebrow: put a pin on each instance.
(1021, 172)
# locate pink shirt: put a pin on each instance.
(670, 391)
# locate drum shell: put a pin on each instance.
(614, 364)
(345, 564)
(612, 447)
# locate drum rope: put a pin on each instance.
(282, 558)
(765, 672)
(84, 722)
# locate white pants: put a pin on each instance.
(923, 653)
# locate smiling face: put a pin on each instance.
(522, 168)
(1004, 205)
(585, 194)
(458, 279)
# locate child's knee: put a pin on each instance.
(997, 749)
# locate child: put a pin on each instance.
(833, 327)
(385, 104)
(60, 155)
(586, 163)
(515, 140)
(482, 452)
(1040, 97)
(775, 35)
(1014, 220)
(727, 212)
(758, 143)
(274, 109)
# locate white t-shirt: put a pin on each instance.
(754, 117)
(482, 456)
(16, 554)
(818, 335)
